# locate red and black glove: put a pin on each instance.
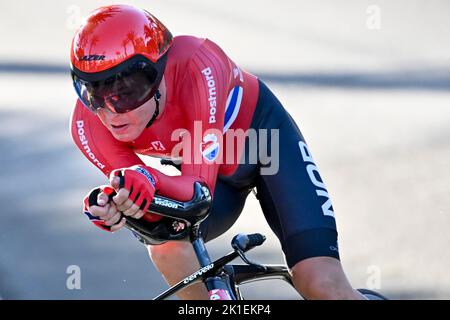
(142, 183)
(91, 200)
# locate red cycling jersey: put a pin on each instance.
(203, 88)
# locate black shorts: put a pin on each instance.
(293, 198)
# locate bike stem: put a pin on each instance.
(212, 283)
(200, 249)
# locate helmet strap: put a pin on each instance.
(157, 96)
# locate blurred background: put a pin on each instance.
(367, 81)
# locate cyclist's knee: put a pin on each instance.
(176, 260)
(165, 255)
(322, 278)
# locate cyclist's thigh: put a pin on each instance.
(227, 205)
(294, 198)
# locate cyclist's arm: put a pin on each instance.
(98, 144)
(107, 154)
(205, 84)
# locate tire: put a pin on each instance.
(372, 295)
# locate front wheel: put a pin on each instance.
(372, 295)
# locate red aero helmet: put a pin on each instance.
(115, 33)
(118, 57)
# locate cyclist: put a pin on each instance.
(142, 91)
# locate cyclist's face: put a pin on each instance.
(128, 126)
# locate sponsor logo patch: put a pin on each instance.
(166, 203)
(85, 144)
(147, 175)
(92, 57)
(212, 93)
(198, 273)
(210, 147)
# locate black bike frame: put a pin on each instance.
(221, 280)
(218, 275)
